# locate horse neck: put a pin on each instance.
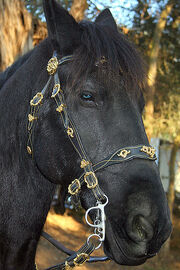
(4, 76)
(15, 96)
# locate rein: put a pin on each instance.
(88, 176)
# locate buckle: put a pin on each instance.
(37, 99)
(91, 185)
(56, 90)
(78, 187)
(82, 256)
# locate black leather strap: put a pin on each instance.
(76, 259)
(121, 155)
(126, 154)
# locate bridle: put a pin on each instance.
(88, 176)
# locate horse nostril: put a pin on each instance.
(139, 229)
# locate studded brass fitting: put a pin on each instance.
(52, 65)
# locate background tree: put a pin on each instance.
(163, 56)
(35, 7)
(76, 7)
(15, 31)
(153, 62)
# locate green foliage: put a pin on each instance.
(168, 76)
(167, 120)
(169, 61)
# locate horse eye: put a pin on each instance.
(87, 97)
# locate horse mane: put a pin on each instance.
(123, 59)
(98, 42)
(4, 76)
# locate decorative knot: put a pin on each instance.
(52, 65)
(60, 108)
(67, 266)
(29, 150)
(124, 153)
(31, 118)
(70, 132)
(84, 163)
(150, 151)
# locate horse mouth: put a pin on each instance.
(119, 249)
(122, 258)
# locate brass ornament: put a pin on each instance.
(124, 153)
(60, 108)
(148, 150)
(82, 256)
(91, 185)
(76, 181)
(56, 90)
(84, 163)
(31, 118)
(101, 61)
(70, 132)
(29, 150)
(67, 266)
(37, 99)
(52, 65)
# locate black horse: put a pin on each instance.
(103, 86)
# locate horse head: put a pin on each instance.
(102, 83)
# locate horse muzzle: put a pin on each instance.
(135, 239)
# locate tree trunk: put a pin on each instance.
(78, 9)
(15, 31)
(152, 72)
(171, 194)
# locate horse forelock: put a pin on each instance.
(122, 61)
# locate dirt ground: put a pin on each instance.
(73, 234)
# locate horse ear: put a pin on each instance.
(63, 30)
(105, 18)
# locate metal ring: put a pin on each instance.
(95, 235)
(89, 185)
